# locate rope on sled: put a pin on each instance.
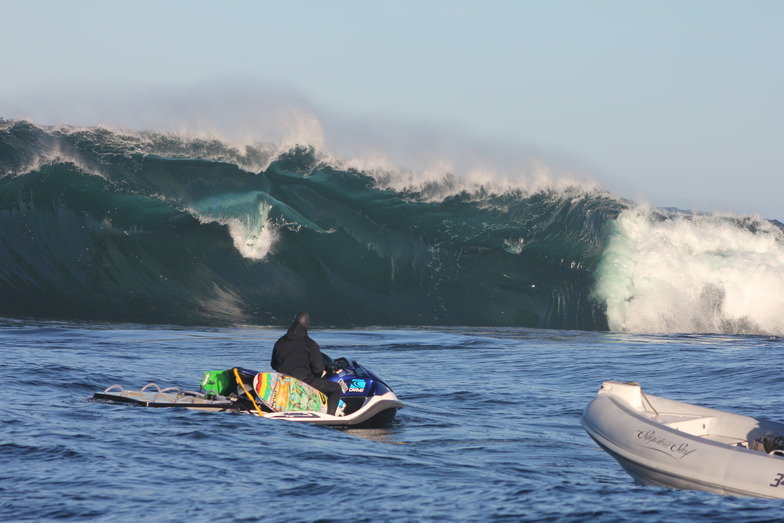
(242, 384)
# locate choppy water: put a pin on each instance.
(490, 431)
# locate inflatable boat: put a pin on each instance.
(667, 443)
(366, 400)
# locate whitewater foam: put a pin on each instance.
(684, 273)
(247, 219)
(253, 235)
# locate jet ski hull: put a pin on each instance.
(366, 400)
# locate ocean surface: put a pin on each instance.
(490, 431)
(494, 307)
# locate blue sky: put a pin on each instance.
(674, 103)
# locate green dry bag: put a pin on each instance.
(217, 382)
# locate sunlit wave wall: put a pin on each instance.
(98, 224)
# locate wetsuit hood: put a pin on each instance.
(296, 331)
(303, 318)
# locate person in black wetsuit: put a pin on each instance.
(297, 354)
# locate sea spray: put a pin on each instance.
(678, 272)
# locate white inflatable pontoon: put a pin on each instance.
(667, 443)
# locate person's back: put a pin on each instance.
(296, 354)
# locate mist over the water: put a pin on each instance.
(241, 113)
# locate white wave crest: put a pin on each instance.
(247, 220)
(437, 164)
(256, 123)
(682, 273)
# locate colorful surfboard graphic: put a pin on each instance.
(283, 393)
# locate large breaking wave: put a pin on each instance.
(144, 227)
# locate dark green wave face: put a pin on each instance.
(151, 228)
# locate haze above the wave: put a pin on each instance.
(677, 103)
(400, 155)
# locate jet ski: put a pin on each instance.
(366, 400)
